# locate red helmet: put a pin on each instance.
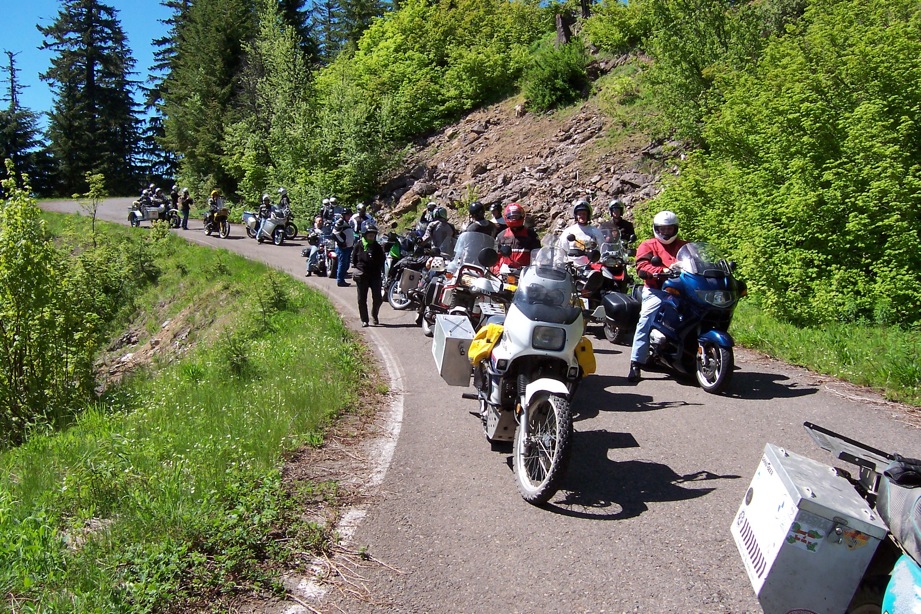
(514, 215)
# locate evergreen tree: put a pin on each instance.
(326, 24)
(201, 89)
(93, 125)
(19, 132)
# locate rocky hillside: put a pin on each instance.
(505, 154)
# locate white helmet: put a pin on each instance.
(665, 226)
(325, 201)
(282, 191)
(332, 200)
(266, 198)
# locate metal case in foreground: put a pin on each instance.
(453, 335)
(805, 535)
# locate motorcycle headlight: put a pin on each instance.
(548, 338)
(717, 298)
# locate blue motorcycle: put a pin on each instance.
(690, 332)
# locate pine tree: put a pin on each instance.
(19, 133)
(93, 125)
(201, 89)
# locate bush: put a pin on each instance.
(556, 76)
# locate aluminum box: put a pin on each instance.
(453, 335)
(409, 279)
(805, 535)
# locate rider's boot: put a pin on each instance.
(634, 375)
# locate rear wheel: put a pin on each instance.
(714, 367)
(290, 230)
(615, 333)
(397, 299)
(331, 267)
(541, 456)
(250, 233)
(278, 236)
(225, 229)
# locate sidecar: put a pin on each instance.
(151, 213)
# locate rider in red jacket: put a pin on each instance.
(515, 243)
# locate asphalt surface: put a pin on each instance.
(658, 472)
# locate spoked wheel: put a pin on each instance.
(714, 367)
(209, 228)
(290, 230)
(397, 299)
(278, 236)
(542, 449)
(224, 231)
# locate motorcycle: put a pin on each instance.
(414, 264)
(452, 291)
(690, 331)
(273, 227)
(814, 538)
(217, 219)
(597, 273)
(315, 253)
(527, 365)
(142, 211)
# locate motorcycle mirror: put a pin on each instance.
(488, 257)
(393, 224)
(655, 261)
(570, 237)
(631, 252)
(732, 265)
(594, 255)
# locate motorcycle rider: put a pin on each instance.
(265, 210)
(185, 202)
(478, 221)
(515, 243)
(144, 199)
(585, 234)
(665, 244)
(439, 229)
(284, 202)
(625, 230)
(174, 197)
(368, 260)
(361, 216)
(428, 215)
(345, 240)
(495, 210)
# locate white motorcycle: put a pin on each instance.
(526, 367)
(272, 229)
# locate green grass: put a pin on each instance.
(167, 490)
(885, 358)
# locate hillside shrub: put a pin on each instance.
(556, 76)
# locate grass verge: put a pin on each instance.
(885, 358)
(167, 491)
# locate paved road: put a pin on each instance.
(642, 525)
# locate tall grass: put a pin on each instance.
(885, 358)
(168, 488)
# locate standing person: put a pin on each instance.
(284, 202)
(515, 243)
(174, 197)
(345, 240)
(478, 221)
(368, 260)
(185, 203)
(439, 229)
(663, 247)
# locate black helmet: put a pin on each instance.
(616, 204)
(476, 210)
(340, 224)
(367, 227)
(496, 208)
(581, 205)
(441, 214)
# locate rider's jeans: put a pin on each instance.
(343, 257)
(651, 300)
(312, 257)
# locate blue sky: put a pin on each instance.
(140, 20)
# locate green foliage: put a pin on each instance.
(555, 76)
(814, 181)
(618, 27)
(168, 489)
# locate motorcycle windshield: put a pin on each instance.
(546, 291)
(468, 247)
(702, 259)
(613, 254)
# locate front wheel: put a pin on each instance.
(542, 450)
(174, 221)
(250, 233)
(133, 220)
(714, 367)
(290, 230)
(397, 299)
(278, 236)
(224, 231)
(209, 228)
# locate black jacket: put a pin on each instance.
(368, 262)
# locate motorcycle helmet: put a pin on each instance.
(340, 224)
(175, 187)
(266, 199)
(431, 205)
(514, 215)
(496, 209)
(185, 191)
(581, 205)
(158, 191)
(361, 208)
(441, 214)
(325, 201)
(476, 210)
(665, 226)
(152, 187)
(367, 227)
(145, 193)
(616, 204)
(332, 200)
(215, 193)
(282, 191)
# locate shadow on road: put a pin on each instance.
(601, 489)
(765, 386)
(612, 393)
